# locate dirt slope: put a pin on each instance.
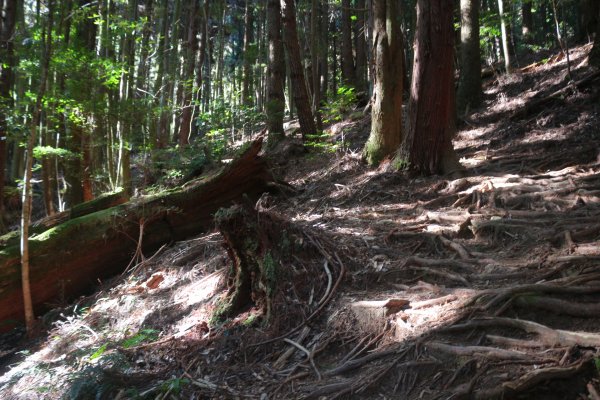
(484, 287)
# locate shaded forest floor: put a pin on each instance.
(421, 288)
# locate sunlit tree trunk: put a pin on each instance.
(504, 28)
(427, 148)
(386, 114)
(300, 93)
(469, 87)
(26, 199)
(275, 106)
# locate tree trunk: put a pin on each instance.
(27, 196)
(504, 28)
(275, 106)
(188, 77)
(249, 55)
(428, 146)
(300, 93)
(361, 48)
(202, 96)
(100, 244)
(315, 50)
(7, 30)
(527, 18)
(324, 53)
(469, 87)
(348, 75)
(386, 114)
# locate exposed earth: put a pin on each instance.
(482, 287)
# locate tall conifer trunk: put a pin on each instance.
(469, 87)
(428, 146)
(300, 92)
(275, 106)
(7, 30)
(386, 114)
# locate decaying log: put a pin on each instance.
(102, 202)
(70, 257)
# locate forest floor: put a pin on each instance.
(482, 287)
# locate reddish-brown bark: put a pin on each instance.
(74, 256)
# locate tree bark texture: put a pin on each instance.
(7, 30)
(386, 114)
(300, 92)
(361, 48)
(100, 244)
(595, 52)
(527, 18)
(188, 84)
(249, 54)
(25, 256)
(469, 87)
(275, 106)
(348, 73)
(505, 31)
(428, 146)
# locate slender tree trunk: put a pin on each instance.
(200, 78)
(275, 107)
(348, 73)
(361, 48)
(527, 17)
(504, 28)
(324, 54)
(249, 55)
(469, 87)
(428, 146)
(305, 115)
(26, 211)
(386, 114)
(7, 31)
(188, 75)
(160, 90)
(315, 49)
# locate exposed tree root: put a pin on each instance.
(511, 388)
(548, 336)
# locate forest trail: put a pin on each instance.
(482, 287)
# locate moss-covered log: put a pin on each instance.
(70, 257)
(102, 202)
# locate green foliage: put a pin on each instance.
(339, 105)
(174, 385)
(98, 353)
(49, 151)
(400, 164)
(321, 143)
(145, 335)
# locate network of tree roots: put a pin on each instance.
(376, 284)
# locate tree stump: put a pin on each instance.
(256, 243)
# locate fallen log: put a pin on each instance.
(102, 202)
(69, 258)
